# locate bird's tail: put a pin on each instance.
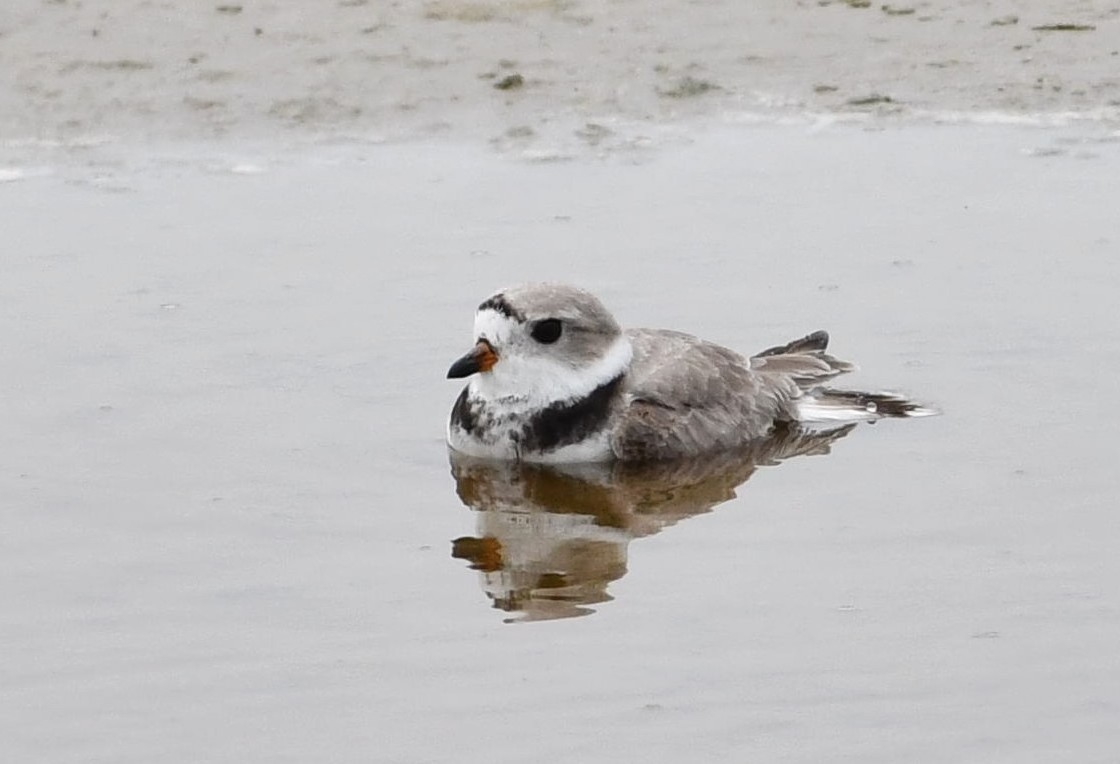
(825, 404)
(807, 364)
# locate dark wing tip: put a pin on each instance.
(818, 340)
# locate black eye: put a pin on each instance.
(547, 331)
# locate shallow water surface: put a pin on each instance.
(232, 532)
(552, 539)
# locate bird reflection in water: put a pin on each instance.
(552, 538)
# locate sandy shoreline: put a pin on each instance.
(534, 72)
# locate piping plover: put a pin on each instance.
(555, 380)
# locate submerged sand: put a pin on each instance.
(530, 72)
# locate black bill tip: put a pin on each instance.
(481, 358)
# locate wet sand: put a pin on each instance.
(540, 74)
(231, 287)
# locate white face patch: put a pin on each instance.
(496, 328)
(529, 375)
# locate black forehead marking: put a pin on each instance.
(500, 304)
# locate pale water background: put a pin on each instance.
(228, 506)
(242, 242)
